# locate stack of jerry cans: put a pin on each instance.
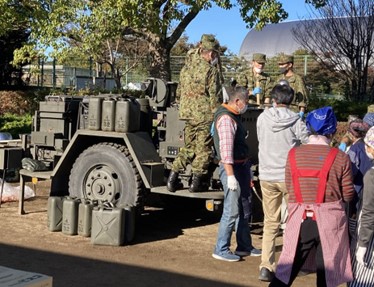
(115, 113)
(104, 223)
(108, 226)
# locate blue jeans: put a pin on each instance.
(237, 211)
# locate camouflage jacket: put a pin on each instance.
(249, 80)
(298, 85)
(199, 91)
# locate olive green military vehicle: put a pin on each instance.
(114, 148)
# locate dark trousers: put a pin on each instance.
(308, 239)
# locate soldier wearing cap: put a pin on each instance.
(199, 95)
(256, 80)
(296, 82)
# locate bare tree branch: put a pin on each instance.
(341, 38)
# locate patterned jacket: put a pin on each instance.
(298, 85)
(199, 91)
(249, 80)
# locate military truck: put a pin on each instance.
(115, 148)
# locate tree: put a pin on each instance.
(120, 55)
(342, 40)
(181, 47)
(8, 43)
(159, 22)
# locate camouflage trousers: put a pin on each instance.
(197, 149)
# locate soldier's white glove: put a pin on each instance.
(360, 254)
(232, 183)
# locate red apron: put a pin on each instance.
(332, 225)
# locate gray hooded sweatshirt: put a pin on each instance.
(278, 130)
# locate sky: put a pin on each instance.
(229, 28)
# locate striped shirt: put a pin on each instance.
(226, 128)
(339, 182)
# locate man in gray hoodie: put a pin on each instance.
(278, 130)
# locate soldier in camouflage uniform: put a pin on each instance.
(296, 82)
(256, 80)
(199, 95)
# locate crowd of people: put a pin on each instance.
(322, 195)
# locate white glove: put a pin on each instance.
(232, 183)
(360, 254)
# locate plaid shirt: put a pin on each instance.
(226, 128)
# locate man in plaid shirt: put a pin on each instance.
(234, 171)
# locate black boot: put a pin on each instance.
(173, 183)
(199, 183)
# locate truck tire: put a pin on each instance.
(106, 172)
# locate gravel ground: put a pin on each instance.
(171, 248)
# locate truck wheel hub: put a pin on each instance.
(101, 183)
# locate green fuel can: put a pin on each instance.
(108, 114)
(94, 113)
(108, 226)
(70, 216)
(127, 115)
(85, 218)
(54, 213)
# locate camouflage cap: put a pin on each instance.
(259, 58)
(284, 59)
(209, 42)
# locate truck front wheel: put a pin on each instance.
(106, 172)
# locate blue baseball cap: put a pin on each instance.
(321, 121)
(369, 119)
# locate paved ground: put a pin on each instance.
(171, 249)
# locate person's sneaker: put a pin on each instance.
(228, 256)
(255, 252)
(266, 275)
(242, 253)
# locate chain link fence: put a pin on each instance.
(83, 73)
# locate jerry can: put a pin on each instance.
(108, 226)
(54, 213)
(127, 115)
(94, 113)
(108, 114)
(130, 216)
(70, 216)
(85, 218)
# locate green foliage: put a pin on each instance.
(15, 124)
(342, 109)
(97, 24)
(181, 47)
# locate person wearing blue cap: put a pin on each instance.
(319, 182)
